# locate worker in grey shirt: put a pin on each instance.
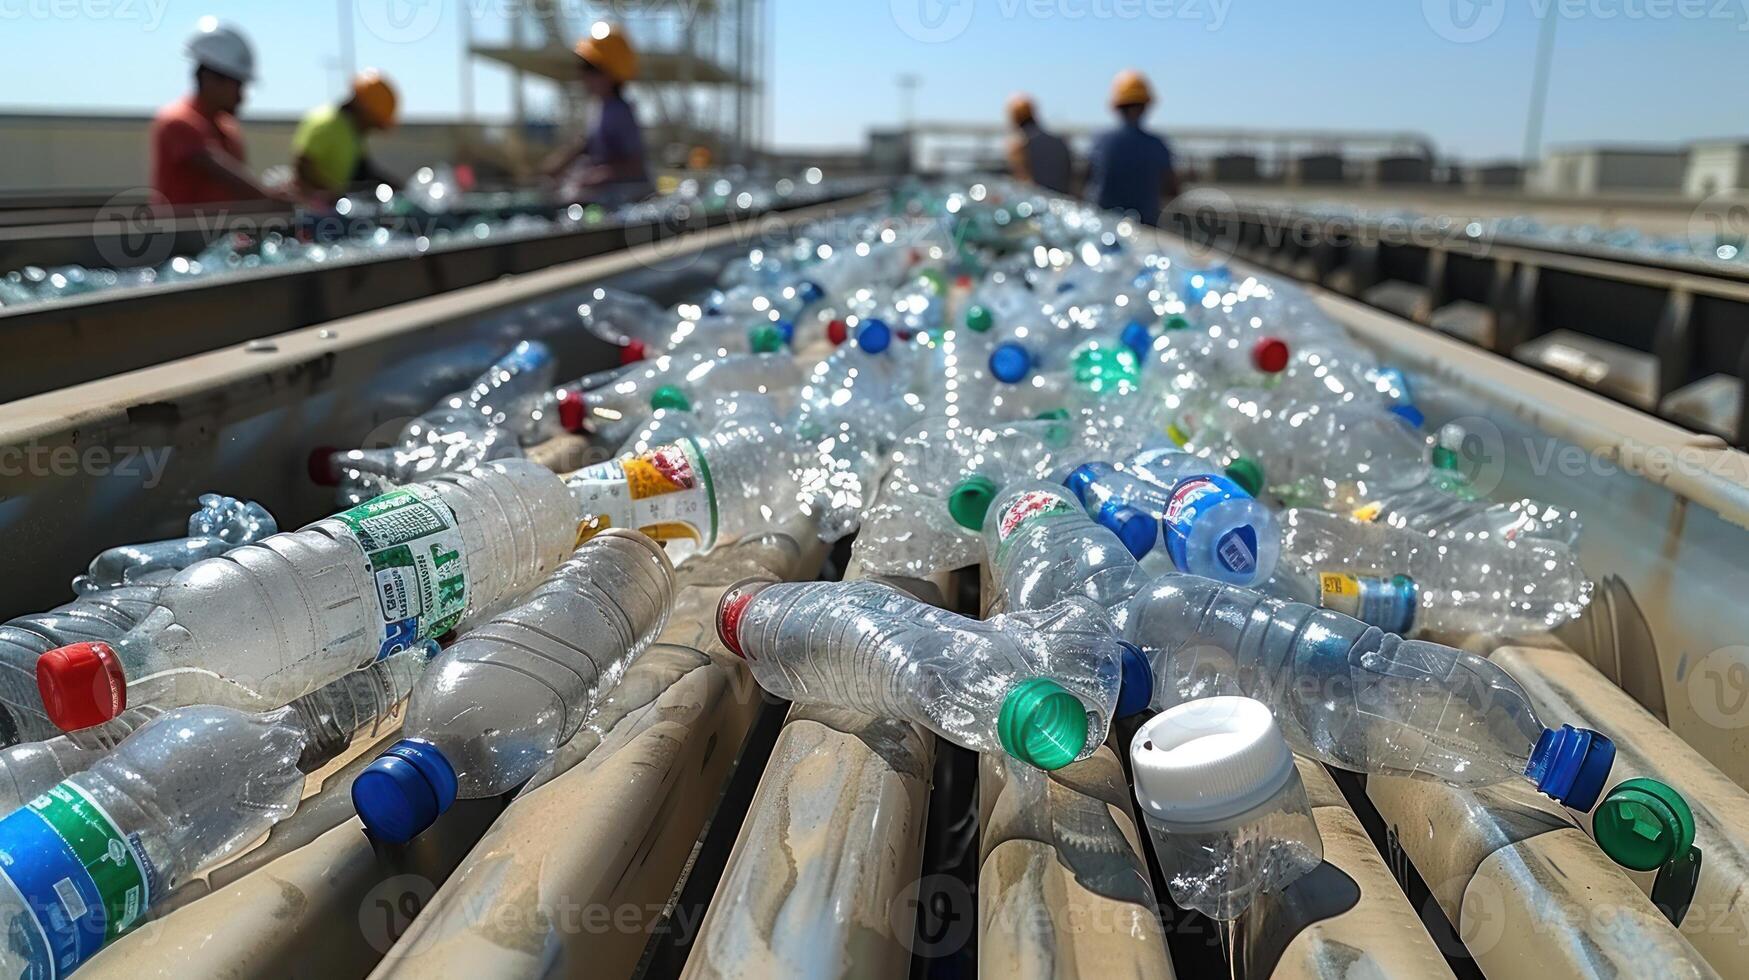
(1034, 155)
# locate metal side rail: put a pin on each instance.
(337, 905)
(1348, 917)
(1713, 909)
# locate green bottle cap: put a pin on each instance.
(1247, 474)
(1643, 824)
(970, 500)
(979, 319)
(1177, 323)
(765, 339)
(1041, 724)
(1443, 458)
(670, 397)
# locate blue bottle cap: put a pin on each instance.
(1570, 765)
(404, 791)
(874, 336)
(1010, 363)
(1079, 480)
(787, 329)
(1136, 530)
(809, 291)
(1409, 414)
(1135, 336)
(1137, 692)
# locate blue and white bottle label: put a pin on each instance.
(1191, 498)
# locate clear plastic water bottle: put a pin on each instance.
(614, 410)
(1206, 524)
(502, 699)
(331, 718)
(1408, 583)
(1344, 692)
(1041, 686)
(636, 324)
(87, 859)
(504, 407)
(1224, 805)
(218, 525)
(99, 617)
(273, 621)
(861, 386)
(942, 478)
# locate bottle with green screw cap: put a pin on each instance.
(1643, 824)
(670, 397)
(1040, 685)
(979, 319)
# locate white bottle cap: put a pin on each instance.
(1209, 761)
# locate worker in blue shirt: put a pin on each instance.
(1131, 168)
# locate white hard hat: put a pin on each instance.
(223, 49)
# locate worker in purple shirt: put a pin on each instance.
(1131, 169)
(608, 166)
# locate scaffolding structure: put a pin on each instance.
(702, 69)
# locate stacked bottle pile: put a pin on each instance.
(1195, 494)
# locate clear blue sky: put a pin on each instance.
(1646, 70)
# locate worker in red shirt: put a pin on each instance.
(197, 146)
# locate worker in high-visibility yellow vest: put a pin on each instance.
(329, 147)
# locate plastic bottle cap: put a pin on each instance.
(809, 292)
(837, 332)
(765, 339)
(82, 684)
(787, 330)
(1041, 724)
(1269, 355)
(573, 408)
(1209, 760)
(1137, 691)
(1137, 531)
(1136, 337)
(1443, 458)
(631, 352)
(730, 609)
(1643, 824)
(1053, 415)
(979, 319)
(1080, 479)
(1570, 765)
(962, 281)
(874, 336)
(1246, 472)
(670, 397)
(1409, 414)
(324, 470)
(404, 790)
(970, 501)
(1010, 363)
(1177, 323)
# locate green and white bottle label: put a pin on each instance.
(83, 881)
(416, 556)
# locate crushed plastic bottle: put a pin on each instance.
(270, 622)
(1344, 692)
(218, 525)
(1041, 686)
(1224, 805)
(501, 700)
(86, 860)
(332, 718)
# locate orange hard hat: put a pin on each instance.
(1130, 88)
(606, 50)
(375, 98)
(1020, 109)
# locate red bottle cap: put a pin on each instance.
(1269, 355)
(82, 684)
(572, 409)
(631, 352)
(962, 281)
(731, 608)
(323, 470)
(837, 332)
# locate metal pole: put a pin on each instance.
(465, 28)
(1539, 89)
(348, 51)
